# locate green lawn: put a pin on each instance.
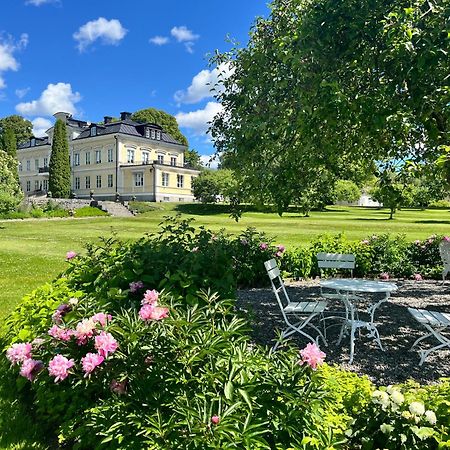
(32, 251)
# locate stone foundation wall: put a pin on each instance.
(65, 203)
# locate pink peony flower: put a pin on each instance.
(278, 254)
(59, 367)
(118, 387)
(136, 286)
(312, 355)
(215, 420)
(263, 246)
(281, 248)
(150, 297)
(418, 277)
(63, 334)
(70, 255)
(101, 318)
(30, 368)
(384, 276)
(90, 362)
(18, 353)
(60, 312)
(446, 238)
(365, 242)
(105, 344)
(150, 312)
(417, 242)
(85, 329)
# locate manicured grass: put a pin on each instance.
(32, 251)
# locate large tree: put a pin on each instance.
(326, 86)
(59, 170)
(8, 142)
(163, 119)
(192, 159)
(23, 128)
(10, 193)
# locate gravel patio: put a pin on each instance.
(397, 328)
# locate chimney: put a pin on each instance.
(107, 119)
(125, 116)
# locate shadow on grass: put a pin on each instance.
(438, 222)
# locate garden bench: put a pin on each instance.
(302, 312)
(444, 250)
(436, 323)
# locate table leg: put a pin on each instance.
(352, 331)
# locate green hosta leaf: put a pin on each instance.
(229, 389)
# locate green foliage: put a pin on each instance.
(59, 181)
(10, 193)
(22, 127)
(89, 211)
(346, 191)
(192, 159)
(8, 142)
(212, 185)
(439, 204)
(163, 119)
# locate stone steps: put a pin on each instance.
(115, 209)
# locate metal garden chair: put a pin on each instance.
(444, 250)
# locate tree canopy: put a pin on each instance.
(10, 193)
(192, 158)
(59, 169)
(327, 87)
(23, 128)
(8, 142)
(163, 119)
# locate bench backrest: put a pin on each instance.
(444, 250)
(336, 261)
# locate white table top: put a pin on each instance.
(358, 285)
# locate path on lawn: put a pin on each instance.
(397, 328)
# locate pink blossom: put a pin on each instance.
(105, 344)
(150, 297)
(136, 286)
(263, 246)
(63, 334)
(312, 355)
(85, 330)
(60, 312)
(215, 420)
(278, 254)
(281, 248)
(118, 387)
(365, 242)
(446, 238)
(70, 255)
(417, 242)
(90, 362)
(418, 277)
(18, 353)
(384, 276)
(150, 312)
(101, 318)
(59, 367)
(30, 368)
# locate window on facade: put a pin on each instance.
(20, 167)
(145, 157)
(33, 142)
(76, 159)
(130, 156)
(87, 158)
(45, 183)
(158, 135)
(160, 159)
(147, 132)
(93, 131)
(153, 134)
(173, 160)
(77, 182)
(99, 181)
(28, 165)
(28, 186)
(180, 181)
(165, 179)
(45, 162)
(36, 185)
(110, 180)
(87, 182)
(139, 179)
(98, 156)
(36, 164)
(110, 155)
(166, 199)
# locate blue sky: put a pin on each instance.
(97, 58)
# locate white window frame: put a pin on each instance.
(158, 135)
(110, 155)
(98, 156)
(165, 179)
(87, 158)
(130, 155)
(173, 160)
(87, 182)
(77, 182)
(160, 159)
(36, 185)
(153, 132)
(180, 181)
(28, 186)
(46, 162)
(110, 180)
(93, 131)
(28, 165)
(45, 185)
(145, 157)
(20, 167)
(76, 159)
(138, 179)
(98, 181)
(147, 132)
(36, 164)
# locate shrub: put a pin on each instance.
(89, 211)
(439, 204)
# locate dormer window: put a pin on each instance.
(33, 142)
(93, 131)
(158, 135)
(147, 132)
(153, 134)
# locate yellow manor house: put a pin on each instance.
(128, 158)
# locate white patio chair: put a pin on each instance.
(436, 323)
(444, 250)
(303, 312)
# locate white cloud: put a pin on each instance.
(40, 126)
(209, 161)
(22, 92)
(202, 83)
(40, 2)
(56, 97)
(198, 120)
(159, 40)
(183, 34)
(7, 49)
(109, 32)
